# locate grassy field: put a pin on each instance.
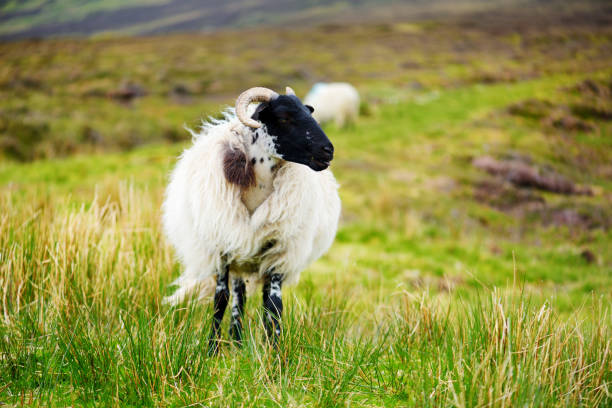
(447, 285)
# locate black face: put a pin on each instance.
(299, 137)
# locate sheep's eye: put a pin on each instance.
(283, 120)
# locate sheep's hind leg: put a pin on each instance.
(238, 299)
(273, 306)
(220, 304)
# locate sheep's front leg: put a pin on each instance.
(238, 299)
(273, 306)
(220, 303)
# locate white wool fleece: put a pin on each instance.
(207, 222)
(336, 101)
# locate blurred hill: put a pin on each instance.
(49, 18)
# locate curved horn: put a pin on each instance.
(257, 94)
(289, 91)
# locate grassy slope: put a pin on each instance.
(87, 279)
(55, 94)
(428, 297)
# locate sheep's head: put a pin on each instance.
(297, 136)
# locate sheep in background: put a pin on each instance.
(251, 199)
(336, 101)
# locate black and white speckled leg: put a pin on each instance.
(220, 304)
(238, 299)
(273, 306)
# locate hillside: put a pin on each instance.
(52, 18)
(472, 265)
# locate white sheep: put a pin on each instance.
(335, 101)
(251, 199)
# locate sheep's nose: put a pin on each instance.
(328, 150)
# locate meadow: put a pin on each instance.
(472, 266)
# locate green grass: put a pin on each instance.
(55, 94)
(401, 312)
(429, 296)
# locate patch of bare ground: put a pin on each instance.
(515, 188)
(556, 117)
(504, 196)
(594, 105)
(522, 174)
(531, 108)
(568, 122)
(596, 100)
(590, 87)
(588, 256)
(503, 76)
(581, 216)
(127, 92)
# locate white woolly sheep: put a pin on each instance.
(336, 101)
(251, 199)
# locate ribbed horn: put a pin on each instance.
(257, 94)
(289, 91)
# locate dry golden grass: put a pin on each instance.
(81, 289)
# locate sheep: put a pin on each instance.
(336, 101)
(251, 199)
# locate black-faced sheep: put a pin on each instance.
(251, 199)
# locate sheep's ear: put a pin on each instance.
(310, 108)
(262, 106)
